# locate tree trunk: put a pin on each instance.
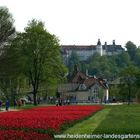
(34, 95)
(129, 94)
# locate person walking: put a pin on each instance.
(7, 105)
(0, 105)
(15, 103)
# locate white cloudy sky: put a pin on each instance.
(81, 21)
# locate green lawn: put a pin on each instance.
(87, 126)
(119, 119)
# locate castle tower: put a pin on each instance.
(113, 43)
(99, 47)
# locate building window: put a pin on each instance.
(96, 90)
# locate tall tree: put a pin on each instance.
(137, 57)
(123, 60)
(7, 29)
(7, 33)
(7, 57)
(9, 72)
(131, 49)
(39, 55)
(129, 78)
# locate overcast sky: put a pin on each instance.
(81, 21)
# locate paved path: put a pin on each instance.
(11, 109)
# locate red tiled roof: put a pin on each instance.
(81, 78)
(102, 82)
(89, 82)
(92, 80)
(78, 77)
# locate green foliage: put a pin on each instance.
(103, 66)
(7, 29)
(8, 66)
(107, 66)
(129, 71)
(137, 58)
(114, 92)
(123, 60)
(39, 56)
(129, 81)
(131, 49)
(73, 60)
(33, 54)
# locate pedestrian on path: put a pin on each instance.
(7, 105)
(0, 105)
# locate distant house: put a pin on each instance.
(84, 88)
(85, 51)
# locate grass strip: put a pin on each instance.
(123, 119)
(89, 125)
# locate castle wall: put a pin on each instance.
(86, 51)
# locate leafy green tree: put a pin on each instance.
(137, 57)
(73, 60)
(114, 91)
(93, 64)
(83, 66)
(39, 55)
(129, 78)
(7, 29)
(8, 72)
(103, 66)
(123, 60)
(131, 49)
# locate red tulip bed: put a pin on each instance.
(36, 123)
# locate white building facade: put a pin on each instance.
(85, 51)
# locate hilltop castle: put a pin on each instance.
(84, 51)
